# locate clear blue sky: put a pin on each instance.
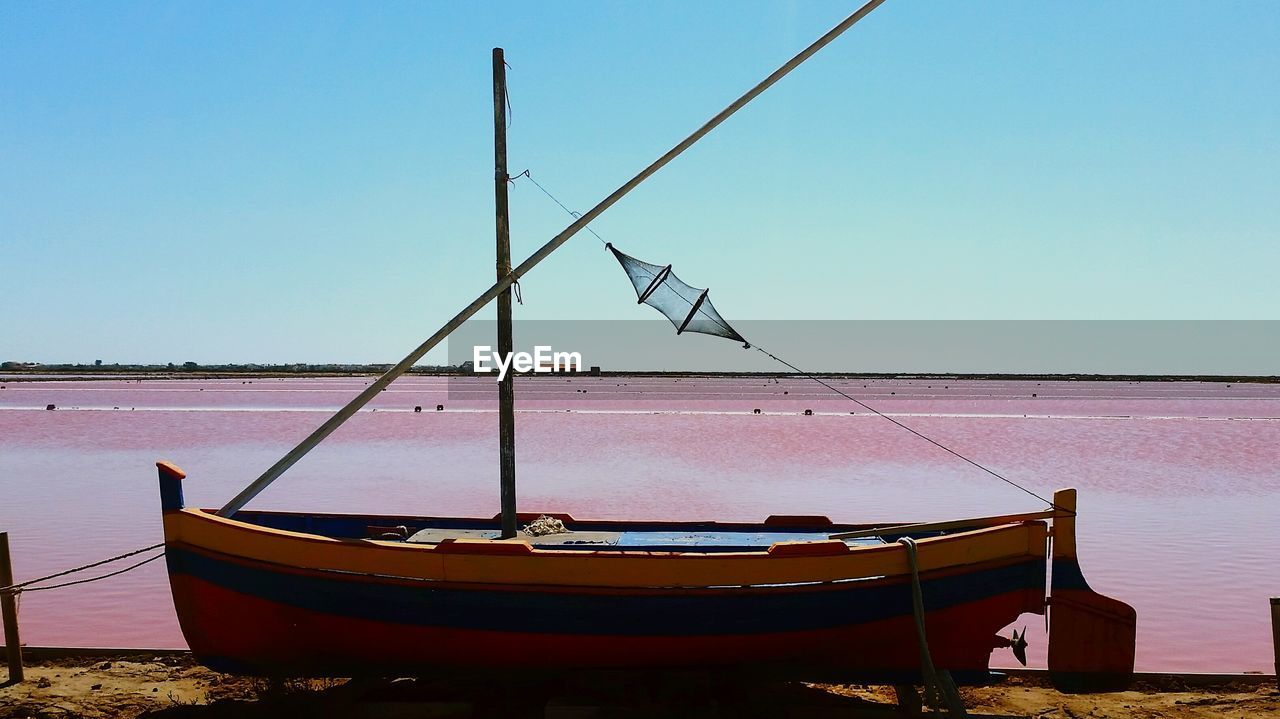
(279, 182)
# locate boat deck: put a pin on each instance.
(696, 540)
(700, 537)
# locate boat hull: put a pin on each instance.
(292, 594)
(255, 618)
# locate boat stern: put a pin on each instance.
(1092, 637)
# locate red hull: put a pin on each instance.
(248, 634)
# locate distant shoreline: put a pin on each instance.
(57, 373)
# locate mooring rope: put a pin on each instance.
(26, 586)
(939, 691)
(932, 689)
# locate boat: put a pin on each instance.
(295, 594)
(802, 597)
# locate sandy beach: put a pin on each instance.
(173, 686)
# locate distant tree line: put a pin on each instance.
(98, 367)
(297, 368)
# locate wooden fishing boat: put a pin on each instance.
(277, 593)
(303, 594)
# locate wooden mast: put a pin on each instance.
(306, 445)
(506, 387)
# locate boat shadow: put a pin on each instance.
(624, 697)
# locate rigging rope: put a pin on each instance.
(813, 377)
(506, 96)
(925, 437)
(23, 586)
(558, 202)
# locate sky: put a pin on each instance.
(313, 181)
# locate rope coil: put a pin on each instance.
(545, 525)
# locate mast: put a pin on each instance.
(506, 387)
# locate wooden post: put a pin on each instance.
(9, 608)
(1275, 635)
(506, 387)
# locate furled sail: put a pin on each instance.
(688, 307)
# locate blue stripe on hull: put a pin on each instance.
(1067, 575)
(673, 612)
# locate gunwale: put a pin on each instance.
(515, 562)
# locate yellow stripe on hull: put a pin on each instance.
(499, 562)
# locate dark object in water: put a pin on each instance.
(417, 408)
(808, 413)
(49, 406)
(439, 408)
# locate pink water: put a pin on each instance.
(1179, 482)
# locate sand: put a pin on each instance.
(175, 688)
